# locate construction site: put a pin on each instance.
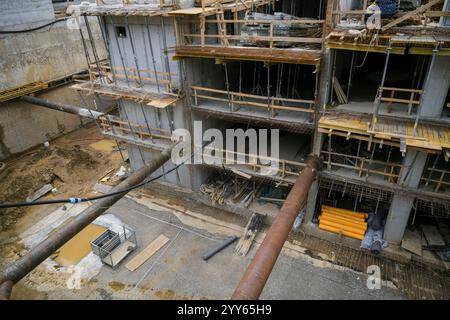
(335, 183)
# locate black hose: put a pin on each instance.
(35, 28)
(79, 200)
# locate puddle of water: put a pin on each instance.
(171, 295)
(116, 285)
(78, 247)
(103, 145)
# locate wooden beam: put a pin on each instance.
(364, 47)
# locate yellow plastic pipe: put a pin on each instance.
(343, 232)
(343, 215)
(360, 225)
(343, 227)
(345, 219)
(346, 212)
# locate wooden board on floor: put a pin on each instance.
(145, 254)
(433, 237)
(412, 242)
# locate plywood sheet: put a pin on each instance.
(433, 236)
(412, 241)
(162, 103)
(147, 253)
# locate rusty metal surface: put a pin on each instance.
(62, 107)
(5, 290)
(258, 272)
(19, 269)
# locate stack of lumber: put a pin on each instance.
(348, 223)
(340, 94)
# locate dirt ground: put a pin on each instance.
(72, 164)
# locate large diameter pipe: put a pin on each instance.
(63, 107)
(19, 269)
(258, 272)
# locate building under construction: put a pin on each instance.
(361, 87)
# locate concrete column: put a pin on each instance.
(314, 190)
(445, 21)
(318, 138)
(433, 100)
(436, 88)
(401, 205)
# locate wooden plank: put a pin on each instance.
(162, 103)
(147, 253)
(12, 93)
(191, 11)
(309, 57)
(433, 236)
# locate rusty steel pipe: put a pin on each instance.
(20, 268)
(82, 112)
(258, 272)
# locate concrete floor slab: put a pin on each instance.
(178, 272)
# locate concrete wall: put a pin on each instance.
(23, 126)
(25, 12)
(170, 118)
(41, 55)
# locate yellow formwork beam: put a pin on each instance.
(429, 51)
(363, 47)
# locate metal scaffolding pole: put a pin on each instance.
(152, 52)
(94, 49)
(380, 88)
(133, 50)
(120, 54)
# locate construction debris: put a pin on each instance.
(339, 91)
(40, 193)
(412, 241)
(433, 237)
(251, 229)
(219, 247)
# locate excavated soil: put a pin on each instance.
(70, 164)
